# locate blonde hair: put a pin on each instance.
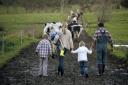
(81, 43)
(64, 27)
(45, 36)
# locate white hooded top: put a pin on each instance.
(82, 53)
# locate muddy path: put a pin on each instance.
(23, 70)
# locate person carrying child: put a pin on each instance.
(82, 58)
(65, 47)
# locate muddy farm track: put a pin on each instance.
(23, 70)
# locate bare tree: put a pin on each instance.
(118, 4)
(124, 3)
(62, 5)
(104, 9)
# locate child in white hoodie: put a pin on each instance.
(82, 58)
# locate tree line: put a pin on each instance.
(54, 3)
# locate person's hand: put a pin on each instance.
(36, 53)
(43, 58)
(72, 51)
(111, 49)
(52, 55)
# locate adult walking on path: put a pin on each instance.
(67, 45)
(43, 50)
(61, 40)
(101, 38)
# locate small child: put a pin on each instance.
(43, 49)
(82, 58)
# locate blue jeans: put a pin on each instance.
(61, 63)
(83, 68)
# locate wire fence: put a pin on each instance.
(9, 42)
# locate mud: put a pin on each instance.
(23, 70)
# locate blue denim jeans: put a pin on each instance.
(101, 49)
(61, 63)
(83, 68)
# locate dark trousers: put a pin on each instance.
(61, 63)
(101, 59)
(83, 68)
(101, 68)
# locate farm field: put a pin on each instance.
(20, 34)
(19, 30)
(22, 24)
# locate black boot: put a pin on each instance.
(58, 70)
(62, 71)
(99, 69)
(103, 68)
(86, 75)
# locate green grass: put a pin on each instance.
(26, 23)
(30, 18)
(19, 20)
(117, 26)
(13, 50)
(13, 45)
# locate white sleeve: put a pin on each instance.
(88, 51)
(75, 51)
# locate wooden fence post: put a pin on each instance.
(3, 43)
(21, 37)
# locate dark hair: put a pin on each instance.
(54, 22)
(101, 24)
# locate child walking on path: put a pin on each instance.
(43, 50)
(82, 58)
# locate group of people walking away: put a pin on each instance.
(58, 44)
